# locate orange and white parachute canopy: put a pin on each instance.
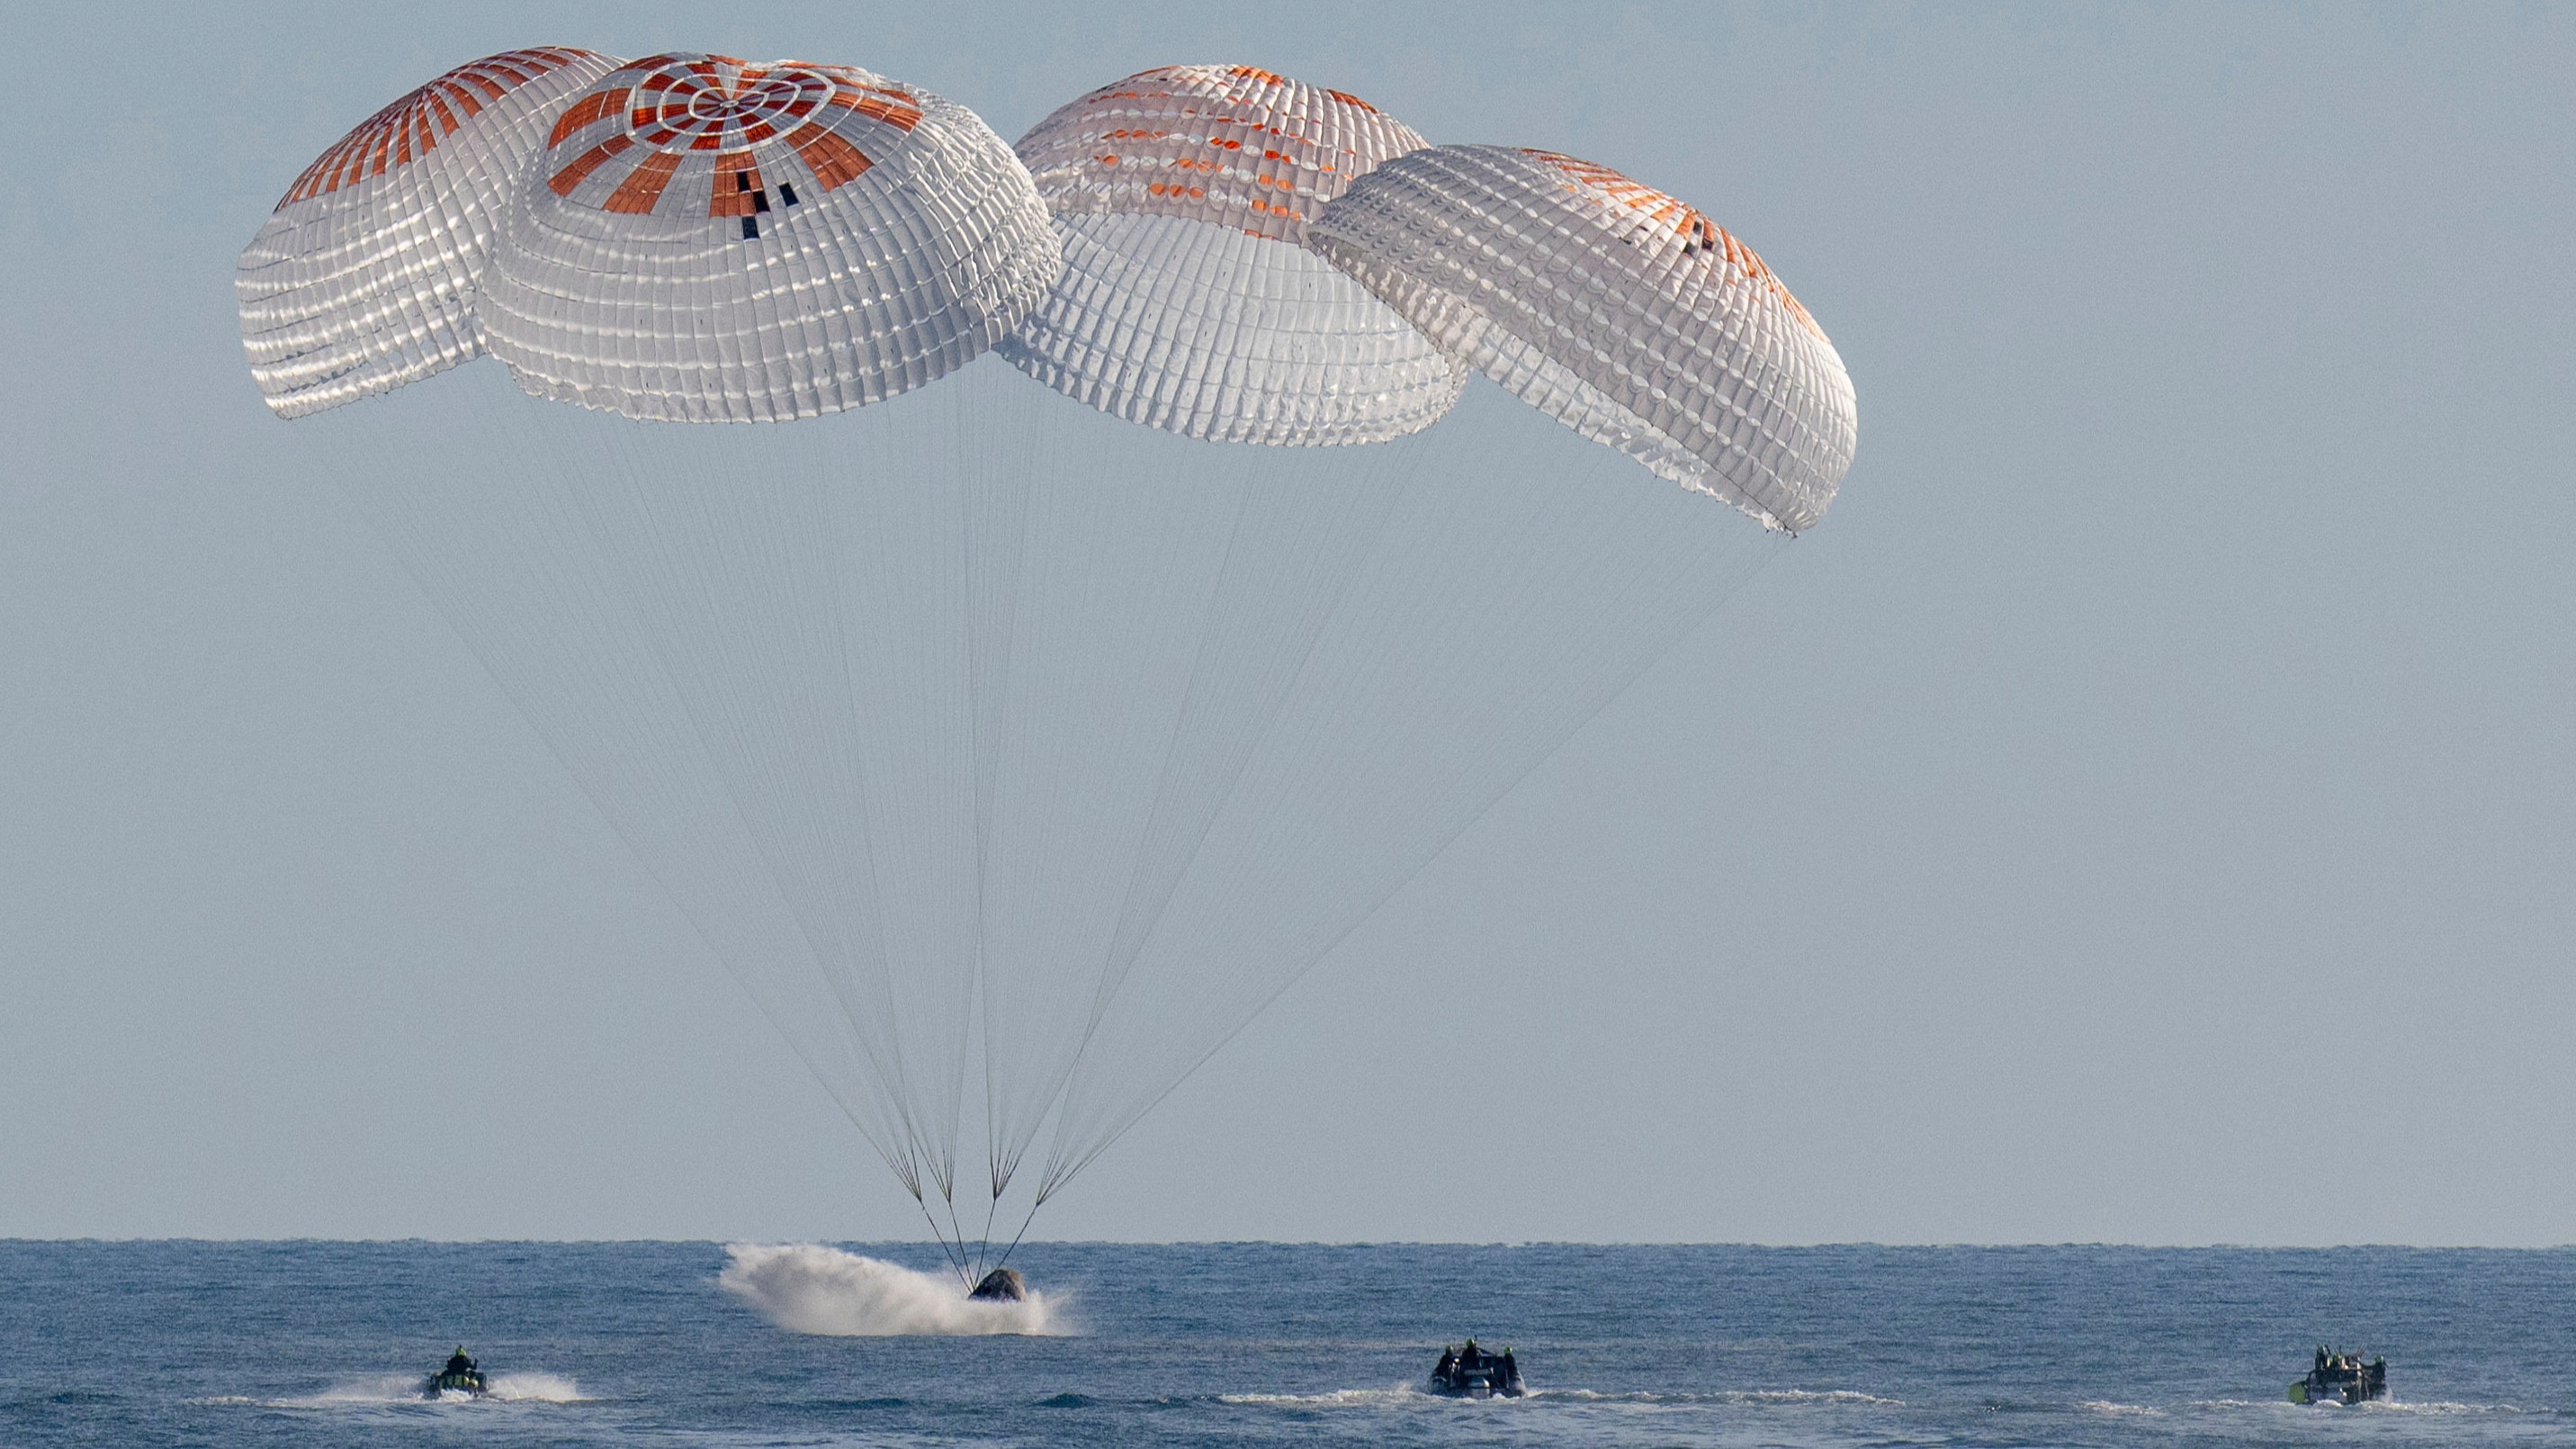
(705, 239)
(1230, 144)
(1615, 309)
(1188, 301)
(364, 277)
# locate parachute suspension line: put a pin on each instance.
(1312, 558)
(954, 1253)
(1503, 612)
(727, 581)
(915, 954)
(955, 1229)
(992, 543)
(1119, 552)
(680, 585)
(968, 428)
(1005, 1260)
(1054, 1178)
(543, 658)
(1162, 789)
(1277, 558)
(984, 1244)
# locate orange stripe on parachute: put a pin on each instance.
(730, 197)
(636, 195)
(833, 161)
(584, 112)
(410, 127)
(1682, 220)
(892, 107)
(571, 176)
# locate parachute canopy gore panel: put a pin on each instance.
(709, 240)
(1189, 302)
(1212, 333)
(1621, 312)
(364, 277)
(1233, 145)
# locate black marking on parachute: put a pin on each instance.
(787, 192)
(760, 200)
(742, 181)
(751, 228)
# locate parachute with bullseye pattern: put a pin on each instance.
(705, 239)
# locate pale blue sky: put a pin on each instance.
(2146, 808)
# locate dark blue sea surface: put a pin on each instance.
(317, 1343)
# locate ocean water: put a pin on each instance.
(320, 1343)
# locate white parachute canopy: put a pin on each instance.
(364, 277)
(1189, 301)
(1011, 755)
(1613, 308)
(706, 240)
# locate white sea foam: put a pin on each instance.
(2375, 1406)
(1414, 1394)
(383, 1389)
(355, 1393)
(1337, 1398)
(809, 1288)
(2106, 1406)
(533, 1388)
(1724, 1396)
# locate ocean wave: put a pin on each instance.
(809, 1288)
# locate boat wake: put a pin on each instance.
(533, 1389)
(385, 1390)
(1407, 1394)
(2428, 1407)
(1840, 1397)
(809, 1288)
(1340, 1398)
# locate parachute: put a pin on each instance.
(1675, 344)
(634, 275)
(1012, 755)
(1189, 300)
(364, 277)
